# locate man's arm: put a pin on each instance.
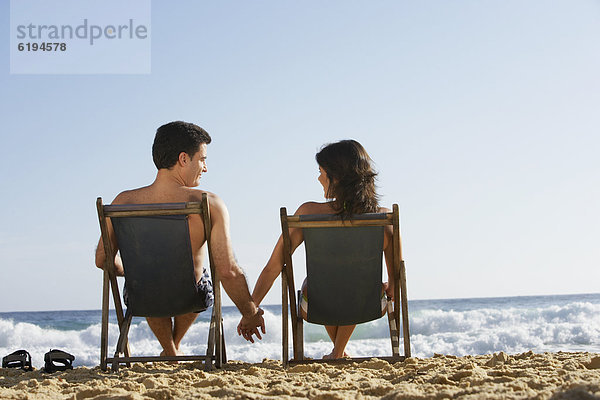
(231, 275)
(101, 255)
(101, 258)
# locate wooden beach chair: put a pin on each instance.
(344, 271)
(155, 247)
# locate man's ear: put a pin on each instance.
(183, 158)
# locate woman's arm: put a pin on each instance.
(269, 273)
(388, 252)
(275, 264)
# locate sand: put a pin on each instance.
(498, 376)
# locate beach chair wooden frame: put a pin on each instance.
(216, 343)
(396, 311)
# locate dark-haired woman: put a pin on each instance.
(348, 182)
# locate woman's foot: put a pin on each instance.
(332, 356)
(177, 353)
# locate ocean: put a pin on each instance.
(452, 327)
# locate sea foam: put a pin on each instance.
(570, 326)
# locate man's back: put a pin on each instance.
(165, 193)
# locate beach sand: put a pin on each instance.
(498, 376)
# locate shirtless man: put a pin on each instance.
(179, 153)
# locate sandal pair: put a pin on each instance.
(54, 360)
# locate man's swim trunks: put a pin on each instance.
(204, 289)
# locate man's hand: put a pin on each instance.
(248, 326)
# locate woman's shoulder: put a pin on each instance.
(313, 207)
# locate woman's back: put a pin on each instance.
(313, 207)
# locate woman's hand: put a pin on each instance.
(389, 290)
(248, 326)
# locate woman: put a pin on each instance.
(348, 182)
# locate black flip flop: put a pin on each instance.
(18, 359)
(58, 360)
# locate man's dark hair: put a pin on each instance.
(175, 137)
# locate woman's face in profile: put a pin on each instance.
(323, 180)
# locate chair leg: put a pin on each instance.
(218, 323)
(285, 359)
(223, 350)
(405, 328)
(127, 353)
(122, 341)
(393, 330)
(208, 364)
(219, 340)
(115, 364)
(104, 329)
(124, 331)
(125, 344)
(300, 328)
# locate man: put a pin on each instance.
(179, 153)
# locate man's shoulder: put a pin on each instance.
(215, 203)
(194, 194)
(131, 196)
(150, 194)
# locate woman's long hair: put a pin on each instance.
(351, 177)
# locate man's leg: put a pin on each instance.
(181, 326)
(163, 330)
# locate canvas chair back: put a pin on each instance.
(158, 264)
(344, 271)
(344, 274)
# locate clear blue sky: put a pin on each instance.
(481, 116)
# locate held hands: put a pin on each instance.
(248, 326)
